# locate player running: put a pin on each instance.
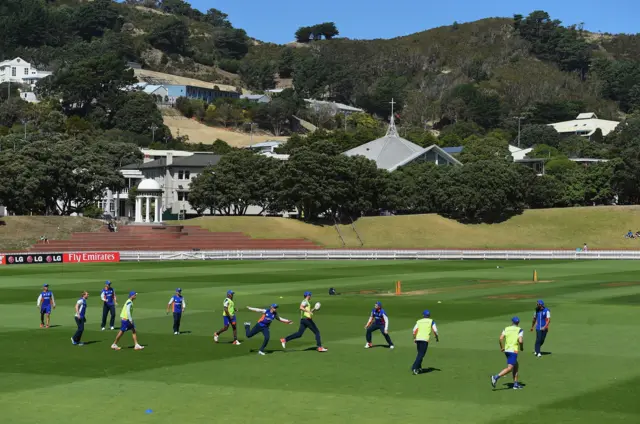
(45, 302)
(421, 335)
(378, 321)
(179, 305)
(229, 317)
(306, 321)
(510, 343)
(126, 316)
(262, 326)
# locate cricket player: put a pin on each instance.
(541, 320)
(179, 305)
(126, 318)
(378, 321)
(109, 302)
(81, 310)
(510, 343)
(421, 335)
(262, 326)
(228, 317)
(45, 302)
(306, 321)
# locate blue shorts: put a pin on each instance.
(45, 309)
(127, 325)
(512, 358)
(228, 321)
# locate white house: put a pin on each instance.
(332, 107)
(517, 153)
(21, 72)
(585, 125)
(256, 98)
(392, 151)
(29, 96)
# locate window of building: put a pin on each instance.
(183, 196)
(180, 175)
(13, 71)
(26, 71)
(111, 206)
(187, 175)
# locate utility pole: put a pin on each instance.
(25, 122)
(153, 129)
(519, 118)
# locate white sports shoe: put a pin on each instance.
(103, 329)
(368, 345)
(392, 347)
(138, 347)
(237, 343)
(261, 353)
(539, 355)
(115, 347)
(176, 333)
(215, 337)
(112, 328)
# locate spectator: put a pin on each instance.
(584, 248)
(629, 234)
(44, 239)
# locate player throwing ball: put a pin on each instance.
(306, 321)
(378, 321)
(229, 318)
(262, 326)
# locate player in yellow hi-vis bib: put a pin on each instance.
(511, 342)
(421, 334)
(229, 317)
(126, 317)
(306, 321)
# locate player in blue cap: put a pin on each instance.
(378, 321)
(179, 305)
(228, 317)
(109, 302)
(306, 321)
(262, 326)
(126, 316)
(541, 320)
(421, 335)
(45, 303)
(510, 343)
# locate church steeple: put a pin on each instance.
(392, 131)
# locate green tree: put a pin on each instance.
(532, 135)
(217, 18)
(8, 90)
(170, 35)
(258, 74)
(138, 114)
(95, 18)
(303, 34)
(485, 149)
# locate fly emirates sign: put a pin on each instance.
(88, 257)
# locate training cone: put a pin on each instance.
(535, 276)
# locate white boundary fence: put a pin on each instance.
(376, 254)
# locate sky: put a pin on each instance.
(276, 21)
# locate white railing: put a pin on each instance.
(345, 254)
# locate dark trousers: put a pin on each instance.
(422, 351)
(80, 323)
(258, 329)
(375, 327)
(105, 311)
(540, 338)
(177, 317)
(304, 324)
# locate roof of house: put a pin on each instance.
(586, 123)
(392, 151)
(253, 96)
(149, 88)
(268, 143)
(198, 160)
(339, 106)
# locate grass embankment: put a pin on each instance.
(22, 232)
(569, 228)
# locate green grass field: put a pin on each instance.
(589, 377)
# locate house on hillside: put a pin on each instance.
(268, 148)
(585, 125)
(392, 151)
(208, 95)
(332, 107)
(256, 98)
(20, 71)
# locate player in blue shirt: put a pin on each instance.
(108, 297)
(378, 321)
(541, 321)
(45, 303)
(81, 310)
(262, 326)
(179, 305)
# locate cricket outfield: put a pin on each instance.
(589, 376)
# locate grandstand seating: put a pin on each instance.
(166, 237)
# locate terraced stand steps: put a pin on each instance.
(166, 237)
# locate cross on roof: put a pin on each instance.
(392, 131)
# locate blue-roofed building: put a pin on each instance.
(453, 150)
(208, 95)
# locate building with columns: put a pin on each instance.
(148, 198)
